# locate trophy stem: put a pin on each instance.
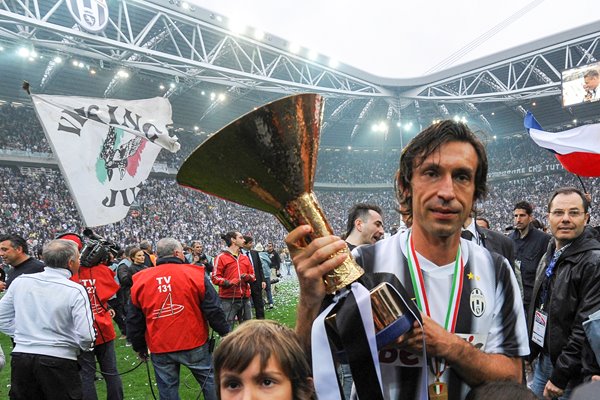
(306, 210)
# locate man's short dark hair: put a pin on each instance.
(484, 220)
(228, 237)
(523, 205)
(425, 144)
(359, 210)
(591, 73)
(570, 190)
(248, 239)
(145, 245)
(16, 241)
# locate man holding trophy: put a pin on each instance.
(396, 347)
(473, 324)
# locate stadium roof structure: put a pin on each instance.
(213, 74)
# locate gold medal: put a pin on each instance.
(438, 391)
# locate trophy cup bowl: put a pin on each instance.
(266, 160)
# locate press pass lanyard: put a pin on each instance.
(549, 273)
(416, 276)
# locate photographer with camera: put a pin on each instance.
(99, 282)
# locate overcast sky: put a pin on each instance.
(402, 39)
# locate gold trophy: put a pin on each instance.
(267, 160)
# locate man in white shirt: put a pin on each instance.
(51, 322)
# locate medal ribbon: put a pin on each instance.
(418, 283)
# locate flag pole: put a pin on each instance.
(582, 184)
(26, 87)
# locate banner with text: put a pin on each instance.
(105, 148)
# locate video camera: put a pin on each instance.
(97, 249)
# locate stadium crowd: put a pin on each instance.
(39, 207)
(36, 205)
(22, 131)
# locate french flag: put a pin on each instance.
(577, 149)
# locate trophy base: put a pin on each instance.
(391, 318)
(390, 333)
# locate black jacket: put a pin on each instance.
(498, 243)
(528, 253)
(574, 294)
(258, 271)
(125, 274)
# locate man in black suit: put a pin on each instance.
(493, 241)
(259, 284)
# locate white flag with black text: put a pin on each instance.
(105, 148)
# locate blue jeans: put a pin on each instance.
(541, 374)
(105, 354)
(166, 369)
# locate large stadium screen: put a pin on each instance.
(581, 84)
